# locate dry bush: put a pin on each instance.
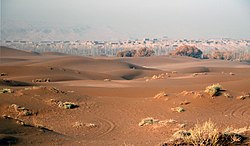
(222, 55)
(126, 53)
(213, 90)
(187, 50)
(144, 52)
(207, 134)
(141, 52)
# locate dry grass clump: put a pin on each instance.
(126, 144)
(195, 74)
(178, 109)
(160, 95)
(53, 89)
(207, 134)
(67, 105)
(3, 74)
(148, 121)
(185, 102)
(159, 76)
(232, 73)
(88, 125)
(165, 122)
(22, 111)
(35, 88)
(41, 80)
(5, 90)
(192, 93)
(156, 122)
(213, 90)
(107, 80)
(227, 95)
(243, 97)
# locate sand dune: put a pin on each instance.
(113, 95)
(5, 51)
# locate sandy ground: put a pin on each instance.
(114, 95)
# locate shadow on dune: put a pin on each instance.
(6, 82)
(13, 133)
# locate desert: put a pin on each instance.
(60, 99)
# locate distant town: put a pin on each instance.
(161, 46)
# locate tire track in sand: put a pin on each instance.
(238, 111)
(104, 127)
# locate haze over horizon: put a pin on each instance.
(118, 19)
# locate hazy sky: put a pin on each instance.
(138, 18)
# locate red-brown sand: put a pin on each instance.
(114, 95)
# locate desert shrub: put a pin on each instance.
(204, 134)
(144, 52)
(207, 134)
(141, 52)
(222, 55)
(126, 53)
(187, 50)
(213, 90)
